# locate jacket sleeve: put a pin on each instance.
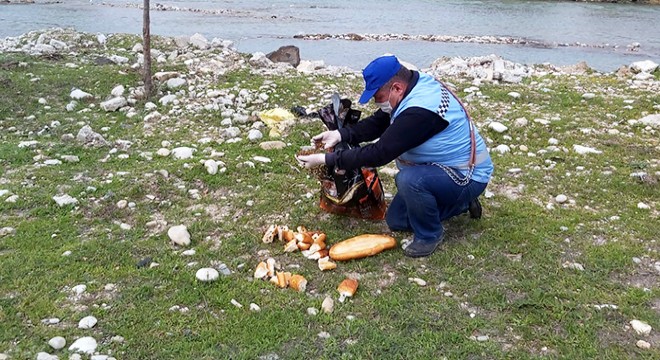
(367, 129)
(412, 128)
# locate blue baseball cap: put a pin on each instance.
(377, 74)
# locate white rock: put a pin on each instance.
(261, 159)
(176, 83)
(79, 289)
(498, 127)
(190, 252)
(583, 150)
(46, 356)
(236, 303)
(118, 91)
(85, 344)
(643, 206)
(117, 59)
(254, 307)
(482, 338)
(182, 153)
(521, 122)
(179, 235)
(417, 281)
(561, 198)
(27, 144)
(70, 158)
(588, 96)
(12, 199)
(643, 344)
(259, 60)
(651, 120)
(199, 41)
(87, 322)
(328, 305)
(502, 149)
(514, 94)
(53, 162)
(163, 152)
(207, 274)
(312, 311)
(122, 204)
(114, 104)
(167, 99)
(641, 327)
(78, 94)
(63, 200)
(553, 141)
(324, 335)
(211, 166)
(574, 266)
(255, 135)
(57, 342)
(646, 66)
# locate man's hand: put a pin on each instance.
(311, 161)
(328, 138)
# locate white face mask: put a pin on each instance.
(386, 107)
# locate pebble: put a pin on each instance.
(190, 252)
(211, 166)
(272, 145)
(57, 342)
(514, 94)
(561, 198)
(254, 307)
(117, 339)
(255, 135)
(87, 322)
(324, 335)
(312, 311)
(482, 338)
(502, 149)
(261, 159)
(328, 305)
(236, 303)
(641, 327)
(418, 281)
(67, 253)
(46, 356)
(79, 289)
(588, 96)
(643, 344)
(207, 274)
(85, 344)
(63, 200)
(575, 266)
(498, 127)
(163, 152)
(179, 235)
(182, 153)
(643, 206)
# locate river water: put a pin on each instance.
(605, 30)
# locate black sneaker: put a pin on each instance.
(421, 248)
(474, 208)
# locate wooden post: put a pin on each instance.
(146, 51)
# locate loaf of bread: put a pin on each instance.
(361, 246)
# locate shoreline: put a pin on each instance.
(61, 41)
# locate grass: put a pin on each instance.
(502, 276)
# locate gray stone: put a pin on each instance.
(259, 60)
(57, 342)
(646, 66)
(176, 83)
(255, 135)
(199, 41)
(272, 145)
(286, 54)
(87, 136)
(85, 345)
(651, 120)
(77, 94)
(114, 104)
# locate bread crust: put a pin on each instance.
(361, 246)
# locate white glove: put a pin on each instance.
(328, 138)
(311, 161)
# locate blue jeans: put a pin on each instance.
(426, 197)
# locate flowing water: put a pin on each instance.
(598, 33)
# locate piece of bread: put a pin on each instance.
(270, 234)
(347, 288)
(291, 246)
(261, 271)
(361, 246)
(326, 264)
(298, 283)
